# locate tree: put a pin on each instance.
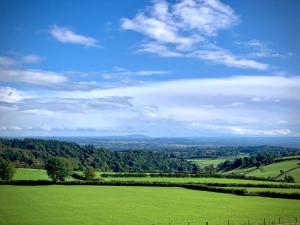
(7, 170)
(289, 179)
(58, 168)
(89, 173)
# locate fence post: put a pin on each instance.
(228, 223)
(264, 221)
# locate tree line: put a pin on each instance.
(35, 153)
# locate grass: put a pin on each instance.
(207, 162)
(191, 180)
(37, 174)
(107, 205)
(273, 169)
(30, 174)
(280, 190)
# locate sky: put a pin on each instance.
(158, 68)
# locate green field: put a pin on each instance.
(30, 174)
(273, 170)
(290, 167)
(108, 205)
(280, 190)
(192, 180)
(207, 162)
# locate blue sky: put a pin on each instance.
(158, 68)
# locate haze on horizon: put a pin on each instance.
(156, 68)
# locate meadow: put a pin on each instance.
(208, 162)
(110, 205)
(290, 167)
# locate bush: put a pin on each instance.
(7, 170)
(59, 169)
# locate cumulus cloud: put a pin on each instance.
(66, 35)
(184, 29)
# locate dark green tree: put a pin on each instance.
(289, 179)
(58, 168)
(7, 170)
(89, 173)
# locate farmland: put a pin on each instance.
(135, 206)
(289, 167)
(30, 174)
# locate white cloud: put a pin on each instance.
(7, 61)
(35, 77)
(159, 49)
(237, 104)
(11, 95)
(210, 106)
(183, 29)
(31, 59)
(207, 17)
(225, 57)
(66, 35)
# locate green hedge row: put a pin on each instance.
(193, 175)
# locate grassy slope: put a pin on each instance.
(68, 205)
(273, 170)
(30, 174)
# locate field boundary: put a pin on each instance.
(201, 187)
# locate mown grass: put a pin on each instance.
(90, 205)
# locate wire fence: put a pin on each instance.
(264, 221)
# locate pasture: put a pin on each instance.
(273, 170)
(191, 180)
(108, 205)
(30, 174)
